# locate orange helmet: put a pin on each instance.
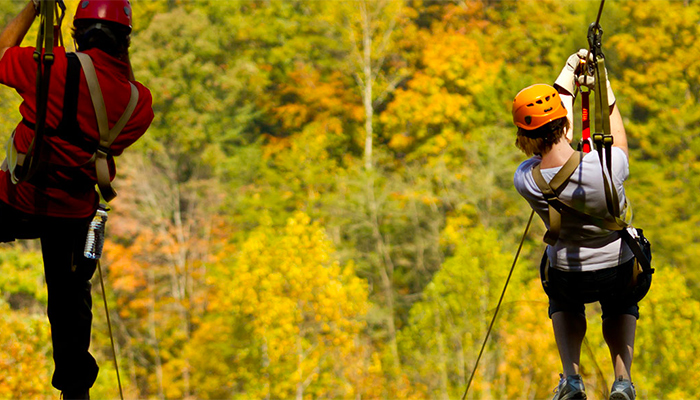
(537, 105)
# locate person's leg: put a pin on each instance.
(620, 314)
(68, 276)
(619, 332)
(569, 331)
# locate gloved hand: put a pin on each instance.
(567, 76)
(589, 81)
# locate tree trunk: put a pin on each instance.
(368, 82)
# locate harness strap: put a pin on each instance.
(585, 120)
(637, 250)
(12, 157)
(551, 192)
(68, 129)
(107, 136)
(69, 121)
(44, 57)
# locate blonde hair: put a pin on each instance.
(539, 141)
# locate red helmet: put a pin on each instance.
(537, 105)
(118, 11)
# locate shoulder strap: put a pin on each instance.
(551, 192)
(107, 136)
(70, 97)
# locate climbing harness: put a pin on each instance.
(69, 131)
(22, 167)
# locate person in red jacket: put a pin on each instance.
(58, 201)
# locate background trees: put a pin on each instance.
(323, 206)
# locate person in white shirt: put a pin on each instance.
(585, 263)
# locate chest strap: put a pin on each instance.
(107, 136)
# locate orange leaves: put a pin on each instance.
(316, 98)
(440, 99)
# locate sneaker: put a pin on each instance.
(570, 388)
(623, 389)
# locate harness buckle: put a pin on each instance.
(103, 151)
(48, 59)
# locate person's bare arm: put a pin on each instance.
(16, 29)
(617, 129)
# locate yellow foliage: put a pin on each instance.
(25, 355)
(304, 306)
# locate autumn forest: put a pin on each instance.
(324, 208)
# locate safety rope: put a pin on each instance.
(109, 326)
(498, 307)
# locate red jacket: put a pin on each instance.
(60, 199)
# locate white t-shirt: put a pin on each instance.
(581, 245)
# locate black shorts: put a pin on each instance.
(572, 290)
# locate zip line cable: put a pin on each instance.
(600, 12)
(500, 301)
(109, 326)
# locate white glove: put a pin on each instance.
(567, 77)
(589, 81)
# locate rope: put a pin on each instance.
(600, 12)
(500, 301)
(109, 326)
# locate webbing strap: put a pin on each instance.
(44, 57)
(98, 101)
(585, 120)
(13, 158)
(603, 140)
(107, 136)
(633, 244)
(551, 192)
